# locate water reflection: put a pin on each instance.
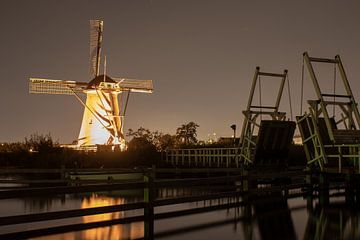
(133, 230)
(274, 218)
(120, 231)
(264, 217)
(45, 204)
(337, 220)
(271, 217)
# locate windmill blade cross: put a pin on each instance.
(96, 36)
(50, 86)
(134, 85)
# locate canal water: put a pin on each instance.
(295, 218)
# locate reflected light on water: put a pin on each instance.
(133, 230)
(110, 232)
(119, 231)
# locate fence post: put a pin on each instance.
(149, 208)
(309, 195)
(245, 180)
(349, 188)
(63, 173)
(323, 189)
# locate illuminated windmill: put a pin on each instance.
(103, 118)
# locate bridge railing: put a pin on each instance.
(202, 157)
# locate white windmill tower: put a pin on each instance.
(103, 119)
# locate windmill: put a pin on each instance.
(104, 114)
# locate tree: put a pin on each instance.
(142, 151)
(141, 144)
(140, 133)
(40, 143)
(144, 136)
(166, 142)
(187, 133)
(142, 139)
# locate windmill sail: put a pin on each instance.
(134, 85)
(49, 86)
(96, 31)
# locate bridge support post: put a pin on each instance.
(245, 181)
(309, 190)
(350, 188)
(149, 208)
(323, 189)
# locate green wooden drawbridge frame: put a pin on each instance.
(331, 143)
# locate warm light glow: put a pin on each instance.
(114, 232)
(133, 230)
(101, 122)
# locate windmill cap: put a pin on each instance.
(99, 79)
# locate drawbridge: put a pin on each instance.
(266, 134)
(331, 142)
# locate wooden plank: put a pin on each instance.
(46, 216)
(274, 140)
(72, 170)
(68, 228)
(70, 189)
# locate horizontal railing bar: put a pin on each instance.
(335, 95)
(65, 181)
(336, 103)
(70, 189)
(68, 228)
(37, 217)
(195, 181)
(72, 170)
(198, 170)
(324, 60)
(263, 112)
(272, 74)
(266, 107)
(33, 181)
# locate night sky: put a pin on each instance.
(201, 56)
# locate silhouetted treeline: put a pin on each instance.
(144, 150)
(58, 157)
